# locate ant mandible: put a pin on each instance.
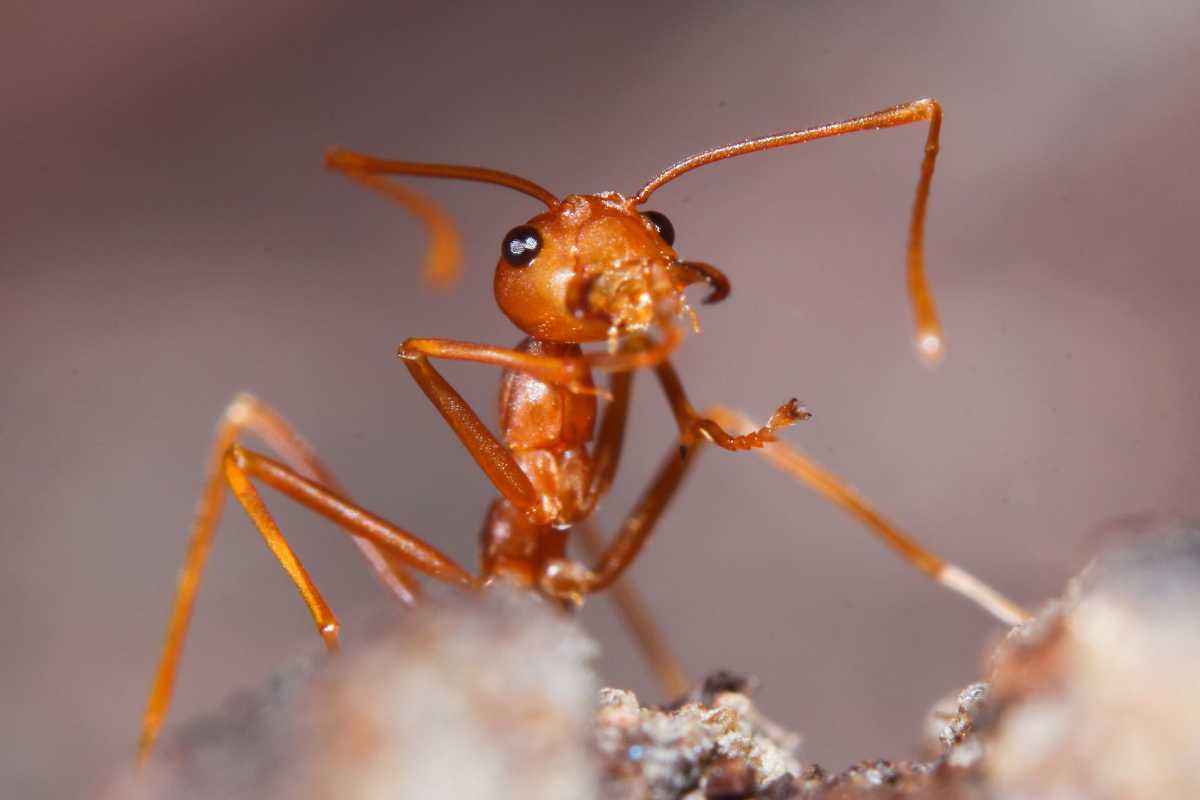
(591, 268)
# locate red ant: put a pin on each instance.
(591, 268)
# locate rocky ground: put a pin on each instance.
(1095, 697)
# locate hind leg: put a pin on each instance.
(245, 414)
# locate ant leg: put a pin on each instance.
(251, 414)
(244, 413)
(831, 488)
(609, 440)
(658, 655)
(495, 459)
(239, 466)
(606, 454)
(570, 581)
(489, 453)
(234, 466)
(570, 372)
(693, 425)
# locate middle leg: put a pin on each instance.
(630, 607)
(241, 465)
(245, 414)
(672, 678)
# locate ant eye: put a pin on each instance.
(521, 245)
(663, 225)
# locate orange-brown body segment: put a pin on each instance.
(547, 429)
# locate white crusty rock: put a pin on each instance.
(1100, 696)
(487, 697)
(718, 736)
(1096, 697)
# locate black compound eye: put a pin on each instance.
(521, 245)
(665, 229)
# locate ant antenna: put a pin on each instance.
(350, 162)
(928, 329)
(445, 250)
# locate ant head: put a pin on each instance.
(591, 267)
(595, 267)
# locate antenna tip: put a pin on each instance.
(929, 345)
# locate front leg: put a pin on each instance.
(572, 372)
(693, 425)
(570, 580)
(490, 454)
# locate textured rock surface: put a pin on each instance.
(717, 743)
(1096, 697)
(473, 697)
(1100, 697)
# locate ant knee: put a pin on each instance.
(410, 350)
(241, 410)
(235, 454)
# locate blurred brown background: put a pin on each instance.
(169, 238)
